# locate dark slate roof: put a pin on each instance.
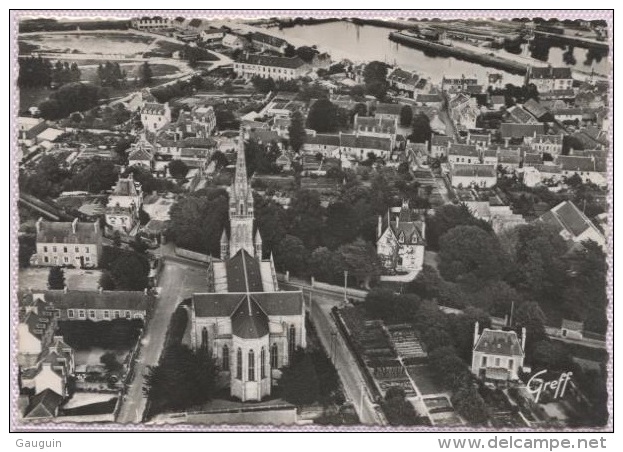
(468, 150)
(385, 125)
(498, 342)
(328, 140)
(153, 108)
(498, 100)
(62, 232)
(224, 304)
(273, 61)
(82, 299)
(510, 130)
(509, 156)
(243, 273)
(535, 108)
(43, 405)
(577, 163)
(366, 142)
(388, 109)
(567, 216)
(402, 76)
(520, 115)
(410, 230)
(478, 170)
(441, 140)
(139, 154)
(532, 159)
(551, 73)
(425, 98)
(249, 321)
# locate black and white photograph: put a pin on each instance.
(312, 222)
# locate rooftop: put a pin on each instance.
(273, 61)
(498, 342)
(68, 232)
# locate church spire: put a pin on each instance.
(241, 206)
(240, 181)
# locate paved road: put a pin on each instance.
(177, 281)
(337, 349)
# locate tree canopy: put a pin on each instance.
(323, 116)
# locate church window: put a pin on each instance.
(241, 208)
(239, 364)
(204, 337)
(263, 363)
(225, 357)
(274, 356)
(291, 341)
(251, 365)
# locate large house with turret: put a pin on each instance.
(245, 321)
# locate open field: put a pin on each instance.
(127, 44)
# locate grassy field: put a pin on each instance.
(96, 43)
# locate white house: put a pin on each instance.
(155, 116)
(474, 175)
(550, 78)
(439, 145)
(400, 246)
(498, 355)
(68, 243)
(463, 153)
(551, 144)
(265, 66)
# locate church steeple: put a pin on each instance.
(241, 206)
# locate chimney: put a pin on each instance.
(476, 327)
(506, 141)
(100, 289)
(38, 224)
(523, 339)
(145, 291)
(424, 229)
(65, 288)
(96, 226)
(379, 228)
(74, 224)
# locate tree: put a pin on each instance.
(220, 159)
(406, 116)
(145, 74)
(289, 51)
(299, 381)
(551, 355)
(470, 405)
(198, 220)
(182, 379)
(106, 281)
(98, 175)
(323, 116)
(361, 261)
(110, 362)
(468, 253)
(530, 316)
(56, 278)
(571, 142)
(304, 218)
(129, 272)
(306, 53)
(291, 255)
(447, 217)
(269, 220)
(375, 78)
(325, 265)
(422, 130)
(296, 131)
(178, 169)
(398, 410)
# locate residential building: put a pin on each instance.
(124, 203)
(524, 131)
(510, 159)
(97, 306)
(234, 41)
(359, 146)
(44, 405)
(400, 246)
(35, 330)
(151, 23)
(547, 79)
(140, 157)
(498, 355)
(490, 157)
(497, 102)
(458, 84)
(496, 213)
(277, 68)
(244, 320)
(282, 127)
(572, 114)
(439, 145)
(463, 153)
(464, 111)
(541, 174)
(68, 243)
(406, 83)
(495, 80)
(572, 330)
(530, 159)
(590, 169)
(365, 125)
(550, 144)
(264, 41)
(155, 116)
(481, 140)
(212, 36)
(572, 224)
(474, 175)
(432, 99)
(327, 144)
(53, 369)
(518, 115)
(388, 111)
(29, 128)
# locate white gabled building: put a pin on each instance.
(155, 116)
(497, 355)
(275, 67)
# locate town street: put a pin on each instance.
(337, 349)
(178, 280)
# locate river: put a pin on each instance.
(368, 42)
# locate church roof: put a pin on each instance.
(249, 321)
(224, 304)
(243, 273)
(44, 405)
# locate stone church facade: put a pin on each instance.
(250, 326)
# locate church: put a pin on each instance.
(250, 327)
